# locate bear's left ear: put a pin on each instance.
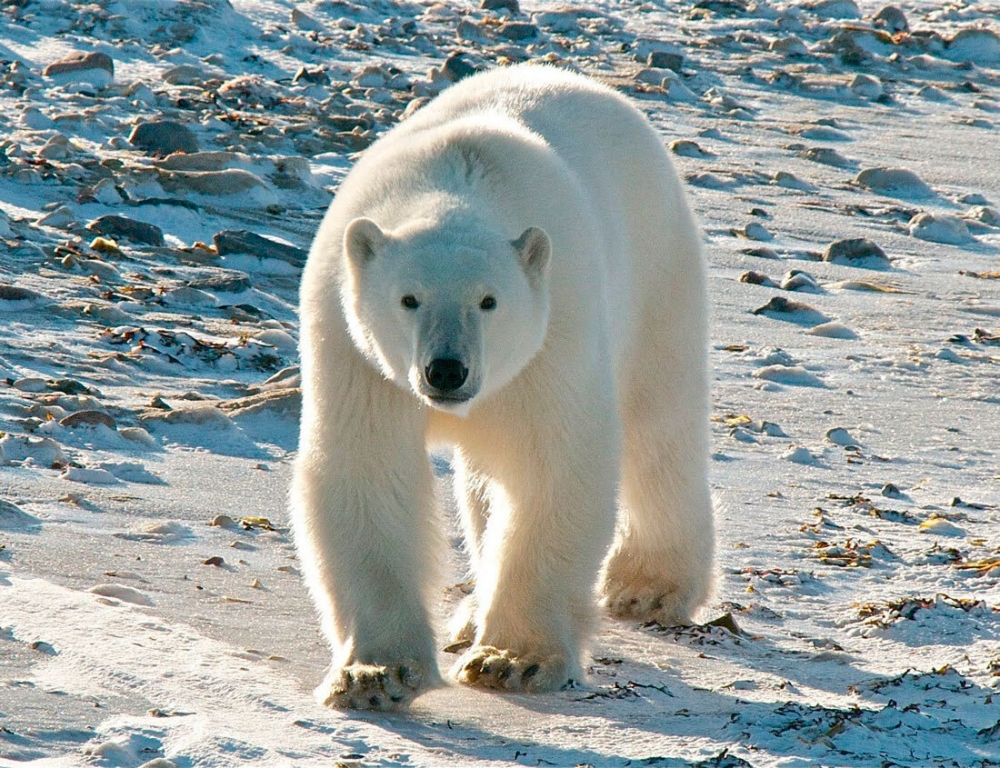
(362, 240)
(533, 250)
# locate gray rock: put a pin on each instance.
(456, 68)
(232, 181)
(116, 226)
(94, 68)
(163, 137)
(891, 19)
(665, 60)
(518, 30)
(244, 241)
(501, 5)
(898, 182)
(857, 252)
(228, 281)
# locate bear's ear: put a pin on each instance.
(533, 249)
(362, 240)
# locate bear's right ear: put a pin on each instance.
(533, 249)
(362, 240)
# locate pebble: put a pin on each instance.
(163, 137)
(798, 280)
(138, 435)
(232, 181)
(456, 68)
(756, 231)
(940, 228)
(977, 46)
(840, 436)
(665, 60)
(896, 182)
(857, 252)
(791, 181)
(117, 226)
(791, 375)
(223, 521)
(832, 330)
(511, 6)
(687, 148)
(94, 68)
(826, 156)
(518, 30)
(88, 419)
(14, 298)
(60, 218)
(867, 86)
(242, 241)
(794, 311)
(226, 281)
(892, 19)
(757, 278)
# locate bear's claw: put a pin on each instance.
(371, 686)
(490, 667)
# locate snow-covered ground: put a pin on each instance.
(151, 610)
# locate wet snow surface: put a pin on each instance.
(843, 159)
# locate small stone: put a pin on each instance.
(756, 231)
(163, 137)
(797, 280)
(757, 278)
(826, 156)
(242, 241)
(88, 419)
(129, 229)
(94, 68)
(61, 218)
(215, 560)
(835, 9)
(456, 68)
(665, 60)
(898, 182)
(227, 281)
(857, 252)
(687, 148)
(867, 86)
(304, 21)
(511, 6)
(518, 30)
(890, 490)
(316, 76)
(940, 228)
(185, 74)
(840, 436)
(223, 521)
(891, 19)
(232, 181)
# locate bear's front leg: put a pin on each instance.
(364, 525)
(541, 550)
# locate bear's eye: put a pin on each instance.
(488, 303)
(410, 301)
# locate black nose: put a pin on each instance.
(446, 374)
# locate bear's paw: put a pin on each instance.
(372, 686)
(489, 667)
(645, 600)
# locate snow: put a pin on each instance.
(151, 608)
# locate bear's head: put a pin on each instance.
(452, 311)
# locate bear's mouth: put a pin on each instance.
(449, 399)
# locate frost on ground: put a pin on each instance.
(842, 156)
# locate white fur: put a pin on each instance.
(587, 387)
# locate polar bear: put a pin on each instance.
(513, 271)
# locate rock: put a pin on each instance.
(232, 181)
(305, 22)
(501, 5)
(242, 241)
(316, 76)
(665, 60)
(88, 419)
(780, 308)
(227, 281)
(60, 218)
(755, 231)
(687, 148)
(867, 86)
(940, 228)
(832, 330)
(123, 227)
(14, 298)
(857, 252)
(518, 30)
(840, 436)
(826, 156)
(185, 74)
(835, 9)
(891, 19)
(898, 182)
(797, 280)
(757, 278)
(456, 68)
(977, 46)
(94, 68)
(788, 46)
(163, 137)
